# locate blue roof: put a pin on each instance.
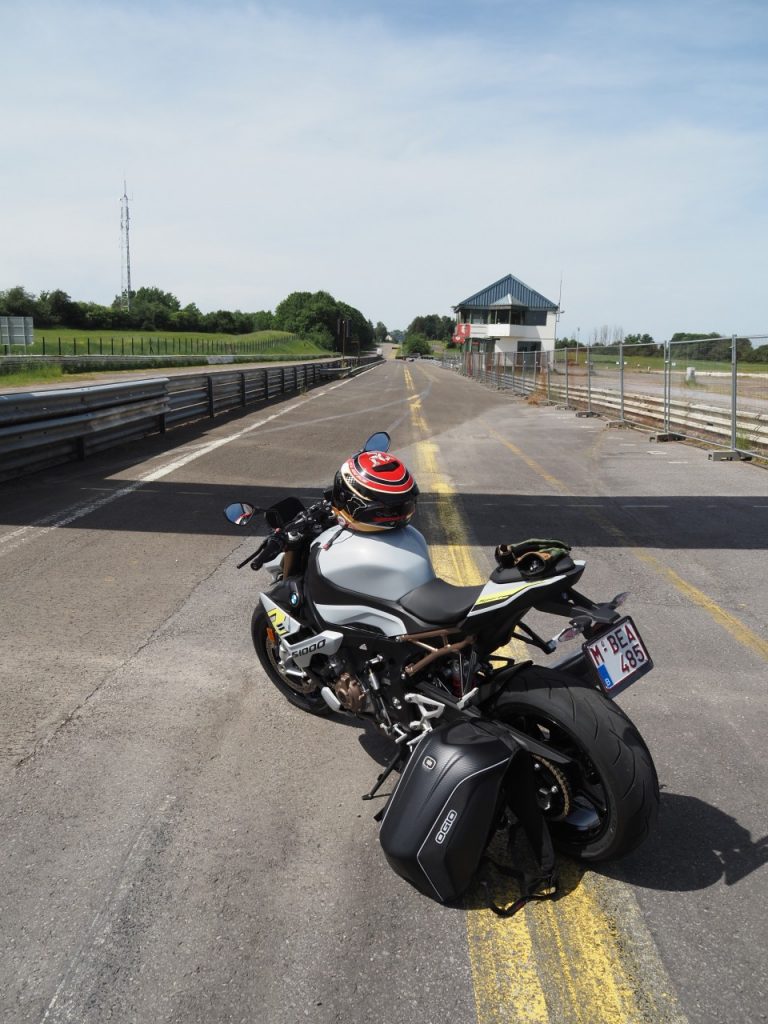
(508, 291)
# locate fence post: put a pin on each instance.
(734, 385)
(567, 398)
(211, 404)
(242, 388)
(621, 382)
(667, 384)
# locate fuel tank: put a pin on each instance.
(382, 565)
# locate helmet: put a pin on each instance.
(374, 491)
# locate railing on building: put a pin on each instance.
(704, 391)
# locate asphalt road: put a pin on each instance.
(180, 844)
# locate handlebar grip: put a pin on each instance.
(267, 552)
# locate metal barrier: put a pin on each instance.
(690, 390)
(42, 428)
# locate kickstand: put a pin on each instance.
(396, 760)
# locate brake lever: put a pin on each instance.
(255, 554)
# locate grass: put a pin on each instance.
(267, 345)
(43, 375)
(68, 341)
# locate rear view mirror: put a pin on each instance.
(240, 513)
(378, 442)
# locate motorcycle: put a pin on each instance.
(358, 624)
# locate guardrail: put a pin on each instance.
(42, 428)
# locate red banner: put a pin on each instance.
(461, 333)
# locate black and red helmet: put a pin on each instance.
(374, 491)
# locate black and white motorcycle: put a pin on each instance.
(356, 622)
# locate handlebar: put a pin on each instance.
(314, 519)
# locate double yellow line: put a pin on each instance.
(575, 961)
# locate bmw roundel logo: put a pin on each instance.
(429, 763)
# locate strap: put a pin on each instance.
(522, 800)
(533, 889)
(542, 885)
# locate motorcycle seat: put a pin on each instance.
(440, 603)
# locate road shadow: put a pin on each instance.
(716, 521)
(693, 846)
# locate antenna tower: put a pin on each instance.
(125, 250)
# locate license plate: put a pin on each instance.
(618, 657)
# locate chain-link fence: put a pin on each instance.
(710, 390)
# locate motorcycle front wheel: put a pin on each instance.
(606, 801)
(304, 694)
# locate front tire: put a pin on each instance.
(304, 694)
(605, 803)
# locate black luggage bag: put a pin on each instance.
(446, 805)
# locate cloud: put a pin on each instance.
(398, 161)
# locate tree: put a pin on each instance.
(359, 330)
(416, 344)
(263, 320)
(152, 309)
(433, 326)
(758, 355)
(321, 318)
(712, 346)
(311, 314)
(17, 301)
(380, 333)
(643, 344)
(317, 316)
(54, 308)
(187, 319)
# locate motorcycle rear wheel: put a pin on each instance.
(608, 799)
(306, 697)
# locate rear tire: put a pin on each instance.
(305, 695)
(611, 792)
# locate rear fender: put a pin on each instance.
(576, 666)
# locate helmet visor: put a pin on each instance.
(379, 514)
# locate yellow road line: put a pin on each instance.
(503, 960)
(561, 963)
(733, 625)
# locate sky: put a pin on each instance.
(401, 155)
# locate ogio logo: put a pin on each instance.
(429, 763)
(446, 827)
